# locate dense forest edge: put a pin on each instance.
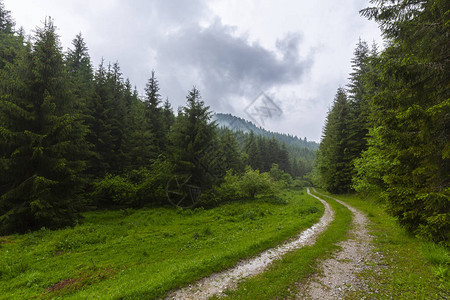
(107, 193)
(74, 138)
(387, 131)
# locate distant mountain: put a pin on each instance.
(239, 124)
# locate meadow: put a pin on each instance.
(147, 252)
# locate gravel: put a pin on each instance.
(217, 283)
(339, 273)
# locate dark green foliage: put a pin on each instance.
(191, 136)
(68, 131)
(136, 188)
(358, 98)
(151, 183)
(261, 153)
(410, 114)
(154, 114)
(9, 42)
(333, 158)
(42, 140)
(280, 176)
(114, 190)
(80, 71)
(399, 102)
(235, 186)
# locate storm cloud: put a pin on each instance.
(224, 65)
(297, 52)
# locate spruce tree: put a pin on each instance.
(154, 113)
(358, 99)
(191, 135)
(45, 141)
(410, 114)
(333, 158)
(252, 151)
(100, 132)
(9, 42)
(79, 67)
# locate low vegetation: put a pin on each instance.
(407, 267)
(147, 252)
(278, 282)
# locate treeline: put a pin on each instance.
(238, 124)
(387, 131)
(73, 138)
(262, 152)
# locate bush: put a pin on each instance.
(151, 187)
(238, 187)
(114, 190)
(135, 188)
(252, 183)
(283, 178)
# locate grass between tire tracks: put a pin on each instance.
(142, 254)
(278, 281)
(408, 268)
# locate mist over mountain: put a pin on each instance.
(239, 124)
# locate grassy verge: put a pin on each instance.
(280, 278)
(408, 268)
(145, 253)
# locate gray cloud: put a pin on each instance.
(226, 65)
(298, 52)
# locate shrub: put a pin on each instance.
(114, 190)
(252, 183)
(281, 177)
(135, 188)
(151, 187)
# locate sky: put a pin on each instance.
(295, 52)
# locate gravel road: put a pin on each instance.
(228, 279)
(339, 273)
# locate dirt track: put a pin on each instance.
(228, 279)
(339, 273)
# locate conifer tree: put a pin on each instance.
(192, 133)
(410, 114)
(252, 151)
(79, 67)
(100, 133)
(154, 113)
(40, 181)
(9, 42)
(333, 159)
(168, 115)
(229, 152)
(358, 99)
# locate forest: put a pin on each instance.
(387, 132)
(109, 192)
(74, 138)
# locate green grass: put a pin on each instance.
(145, 253)
(279, 280)
(409, 267)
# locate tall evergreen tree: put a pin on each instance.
(100, 133)
(333, 159)
(192, 133)
(45, 141)
(358, 97)
(8, 41)
(252, 151)
(154, 113)
(168, 115)
(410, 114)
(79, 67)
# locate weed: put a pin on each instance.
(436, 254)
